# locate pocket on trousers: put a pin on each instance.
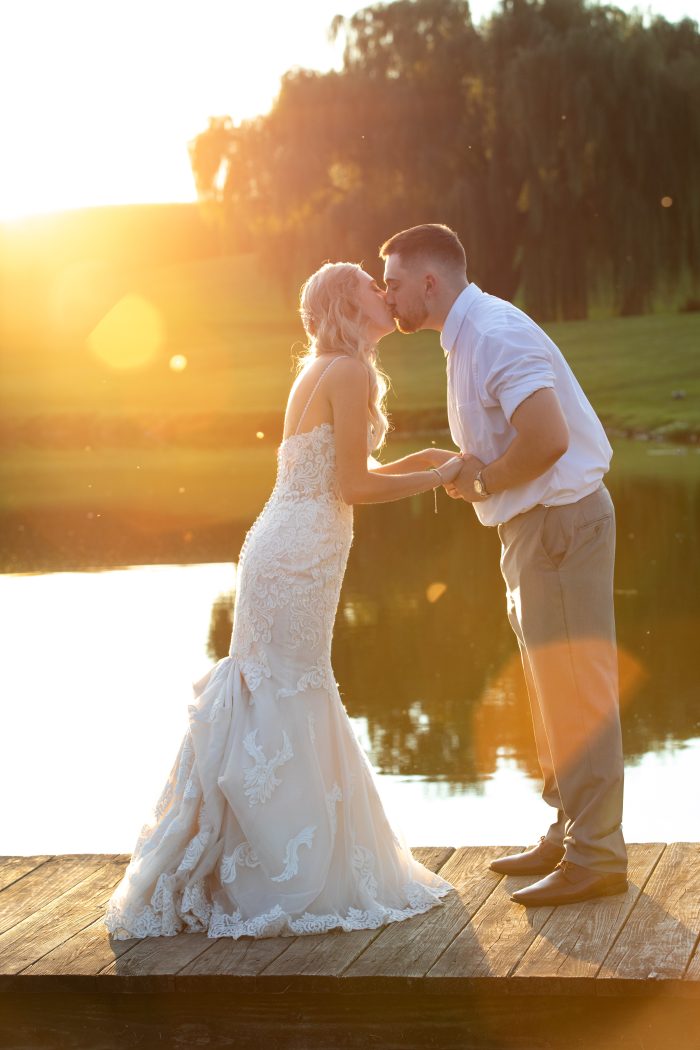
(565, 529)
(586, 538)
(554, 537)
(587, 531)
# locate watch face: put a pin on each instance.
(478, 485)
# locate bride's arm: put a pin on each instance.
(348, 393)
(406, 465)
(423, 460)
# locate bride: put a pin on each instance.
(270, 822)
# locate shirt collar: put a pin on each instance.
(458, 311)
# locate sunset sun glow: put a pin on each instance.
(101, 100)
(105, 97)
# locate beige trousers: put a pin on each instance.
(558, 566)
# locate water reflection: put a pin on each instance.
(424, 655)
(97, 671)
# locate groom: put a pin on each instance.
(534, 458)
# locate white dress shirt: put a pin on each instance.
(496, 357)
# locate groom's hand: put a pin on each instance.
(463, 485)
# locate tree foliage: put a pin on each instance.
(561, 140)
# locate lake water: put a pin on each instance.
(97, 670)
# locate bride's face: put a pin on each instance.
(372, 302)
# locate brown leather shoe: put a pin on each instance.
(539, 860)
(569, 883)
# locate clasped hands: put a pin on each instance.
(462, 485)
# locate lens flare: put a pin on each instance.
(435, 591)
(129, 335)
(502, 722)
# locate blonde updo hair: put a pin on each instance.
(333, 322)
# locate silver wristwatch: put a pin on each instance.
(479, 486)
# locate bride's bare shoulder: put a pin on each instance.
(348, 370)
(351, 365)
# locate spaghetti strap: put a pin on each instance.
(308, 402)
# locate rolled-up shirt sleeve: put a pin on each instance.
(512, 364)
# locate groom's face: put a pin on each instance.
(405, 293)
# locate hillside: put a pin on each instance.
(91, 338)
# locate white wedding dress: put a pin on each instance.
(270, 822)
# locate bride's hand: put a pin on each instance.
(449, 469)
(435, 457)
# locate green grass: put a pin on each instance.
(628, 368)
(655, 461)
(631, 458)
(238, 334)
(228, 321)
(206, 486)
(84, 438)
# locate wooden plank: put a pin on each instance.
(89, 949)
(433, 857)
(245, 957)
(493, 942)
(44, 884)
(329, 954)
(569, 949)
(658, 939)
(14, 868)
(155, 957)
(32, 937)
(85, 953)
(477, 935)
(411, 948)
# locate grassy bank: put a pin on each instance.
(205, 486)
(197, 445)
(109, 453)
(236, 334)
(202, 485)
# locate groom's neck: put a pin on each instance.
(444, 303)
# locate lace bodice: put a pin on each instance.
(306, 466)
(291, 568)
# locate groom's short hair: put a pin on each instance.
(432, 239)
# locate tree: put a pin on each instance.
(561, 141)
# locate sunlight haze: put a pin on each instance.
(105, 97)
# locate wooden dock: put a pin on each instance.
(480, 971)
